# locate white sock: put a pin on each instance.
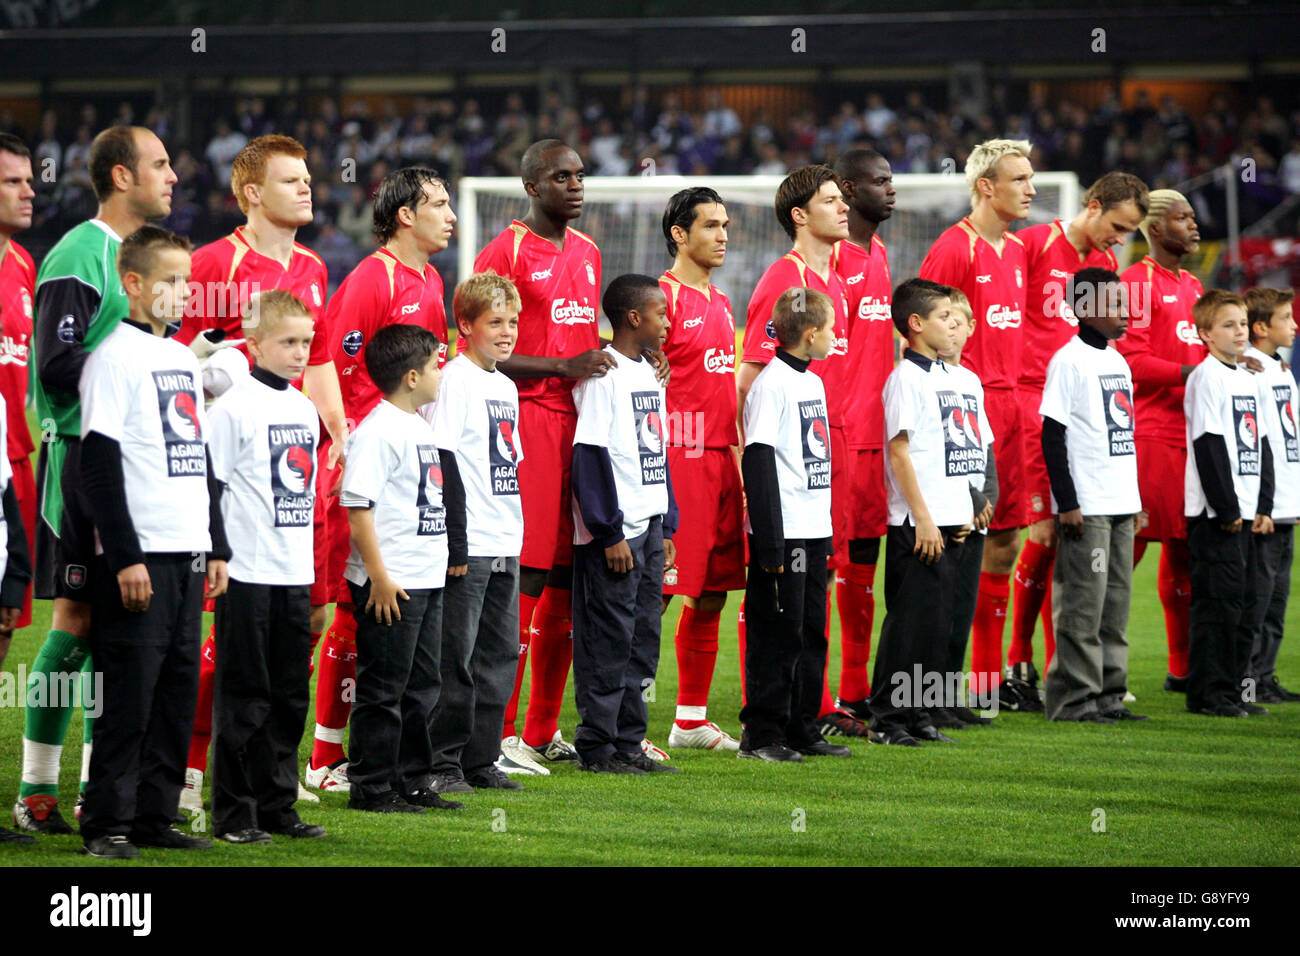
(41, 762)
(691, 713)
(85, 761)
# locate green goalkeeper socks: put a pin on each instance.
(48, 710)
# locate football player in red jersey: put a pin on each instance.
(987, 263)
(1113, 207)
(1162, 348)
(396, 284)
(863, 264)
(811, 209)
(703, 454)
(17, 291)
(272, 185)
(556, 269)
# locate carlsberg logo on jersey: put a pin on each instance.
(293, 468)
(650, 437)
(1286, 414)
(1246, 425)
(816, 443)
(963, 450)
(433, 518)
(1002, 317)
(180, 423)
(1117, 400)
(568, 312)
(502, 453)
(720, 360)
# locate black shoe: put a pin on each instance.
(931, 735)
(836, 724)
(249, 835)
(13, 836)
(645, 763)
(170, 839)
(970, 718)
(1123, 713)
(390, 802)
(896, 738)
(300, 830)
(111, 848)
(429, 798)
(1176, 685)
(1019, 696)
(857, 709)
(823, 749)
(775, 753)
(609, 765)
(453, 782)
(1283, 695)
(491, 779)
(944, 718)
(1094, 717)
(1253, 710)
(1220, 710)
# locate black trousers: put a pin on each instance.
(785, 649)
(480, 654)
(397, 691)
(1223, 607)
(150, 667)
(616, 644)
(260, 703)
(1272, 586)
(965, 595)
(917, 630)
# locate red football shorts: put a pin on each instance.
(710, 535)
(25, 492)
(870, 497)
(842, 503)
(1038, 486)
(544, 489)
(1004, 414)
(1161, 470)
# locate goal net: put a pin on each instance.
(624, 215)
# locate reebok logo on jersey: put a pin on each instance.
(1186, 331)
(693, 323)
(650, 437)
(1246, 426)
(568, 312)
(1286, 414)
(539, 276)
(983, 279)
(854, 280)
(293, 470)
(353, 341)
(1169, 298)
(1117, 403)
(433, 517)
(720, 360)
(816, 443)
(1001, 317)
(963, 449)
(503, 452)
(412, 308)
(179, 411)
(1059, 274)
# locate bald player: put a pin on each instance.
(1113, 207)
(985, 261)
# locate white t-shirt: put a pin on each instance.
(146, 393)
(787, 410)
(945, 434)
(1224, 401)
(1090, 391)
(476, 417)
(972, 390)
(264, 443)
(1278, 397)
(622, 411)
(392, 464)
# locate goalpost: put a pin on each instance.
(624, 215)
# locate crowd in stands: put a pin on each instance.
(351, 151)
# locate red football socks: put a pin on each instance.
(552, 657)
(696, 642)
(986, 633)
(1174, 583)
(202, 736)
(338, 663)
(527, 606)
(853, 584)
(1033, 576)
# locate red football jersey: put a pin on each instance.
(871, 338)
(380, 291)
(17, 292)
(1049, 320)
(1160, 340)
(995, 286)
(560, 293)
(226, 272)
(701, 350)
(788, 272)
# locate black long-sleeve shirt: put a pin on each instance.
(18, 570)
(453, 502)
